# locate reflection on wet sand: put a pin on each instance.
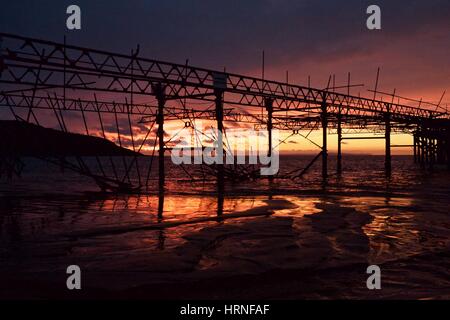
(272, 245)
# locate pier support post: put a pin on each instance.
(415, 148)
(339, 141)
(219, 118)
(269, 109)
(387, 161)
(324, 139)
(423, 152)
(447, 150)
(432, 152)
(160, 96)
(419, 152)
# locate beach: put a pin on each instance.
(289, 240)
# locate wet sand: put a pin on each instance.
(268, 252)
(285, 244)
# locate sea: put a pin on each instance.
(304, 237)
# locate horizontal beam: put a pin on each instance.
(125, 72)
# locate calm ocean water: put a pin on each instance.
(328, 233)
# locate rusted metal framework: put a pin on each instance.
(45, 76)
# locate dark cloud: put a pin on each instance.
(307, 37)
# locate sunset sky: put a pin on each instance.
(315, 38)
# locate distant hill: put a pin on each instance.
(26, 139)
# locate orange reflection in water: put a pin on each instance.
(394, 231)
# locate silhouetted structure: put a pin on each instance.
(56, 78)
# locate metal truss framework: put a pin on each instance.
(45, 75)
